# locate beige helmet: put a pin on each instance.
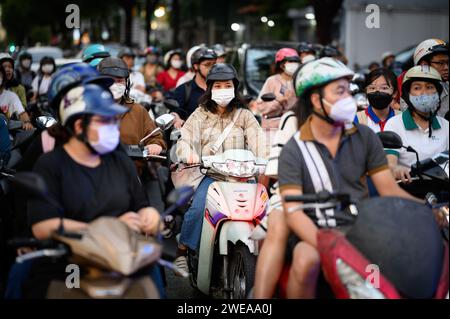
(430, 46)
(421, 73)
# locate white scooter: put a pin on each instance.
(225, 264)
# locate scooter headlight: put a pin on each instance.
(236, 168)
(356, 286)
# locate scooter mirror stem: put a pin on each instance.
(411, 150)
(141, 145)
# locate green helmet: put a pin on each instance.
(94, 53)
(319, 73)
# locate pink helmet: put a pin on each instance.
(287, 54)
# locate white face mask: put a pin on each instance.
(47, 68)
(26, 63)
(222, 97)
(343, 111)
(176, 64)
(291, 67)
(308, 58)
(108, 139)
(425, 103)
(117, 90)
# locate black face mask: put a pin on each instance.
(379, 100)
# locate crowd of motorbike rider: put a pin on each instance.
(90, 176)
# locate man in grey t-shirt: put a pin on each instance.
(349, 153)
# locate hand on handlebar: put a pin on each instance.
(154, 149)
(402, 173)
(151, 221)
(27, 126)
(193, 159)
(178, 123)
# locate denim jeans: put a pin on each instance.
(191, 229)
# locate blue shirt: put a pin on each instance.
(188, 107)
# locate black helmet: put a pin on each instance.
(126, 52)
(219, 49)
(25, 55)
(329, 51)
(305, 47)
(202, 54)
(222, 72)
(114, 67)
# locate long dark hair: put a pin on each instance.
(63, 134)
(4, 80)
(208, 104)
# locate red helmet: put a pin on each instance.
(287, 54)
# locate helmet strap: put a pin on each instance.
(325, 115)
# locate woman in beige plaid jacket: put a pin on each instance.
(218, 108)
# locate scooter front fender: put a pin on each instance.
(234, 231)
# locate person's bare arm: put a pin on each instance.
(26, 121)
(298, 221)
(400, 172)
(44, 229)
(386, 186)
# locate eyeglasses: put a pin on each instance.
(440, 63)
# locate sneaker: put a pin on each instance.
(181, 263)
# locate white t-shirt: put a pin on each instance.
(416, 137)
(137, 79)
(10, 104)
(45, 83)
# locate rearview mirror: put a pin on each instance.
(390, 140)
(268, 97)
(165, 121)
(45, 121)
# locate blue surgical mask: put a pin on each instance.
(425, 103)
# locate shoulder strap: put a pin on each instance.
(41, 77)
(362, 117)
(214, 148)
(187, 91)
(319, 176)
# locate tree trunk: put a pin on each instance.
(175, 23)
(150, 6)
(127, 5)
(325, 11)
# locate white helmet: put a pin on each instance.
(428, 47)
(191, 52)
(169, 56)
